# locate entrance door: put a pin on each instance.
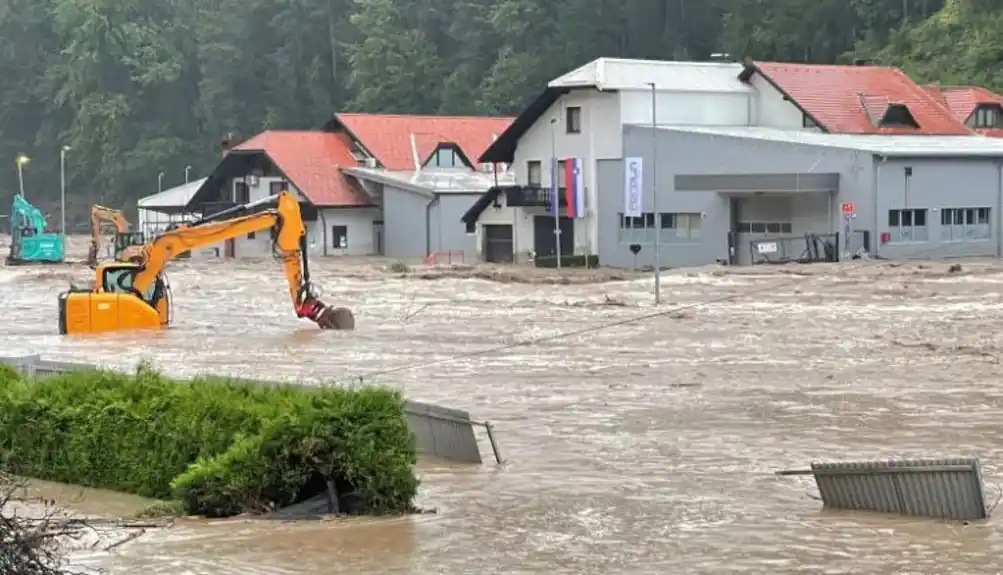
(498, 244)
(761, 219)
(544, 242)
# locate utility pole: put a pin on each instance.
(188, 169)
(557, 196)
(62, 189)
(654, 194)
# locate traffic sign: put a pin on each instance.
(848, 208)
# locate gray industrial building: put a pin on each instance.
(747, 195)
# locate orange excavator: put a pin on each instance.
(128, 245)
(129, 295)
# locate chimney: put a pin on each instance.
(226, 144)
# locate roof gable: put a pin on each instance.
(312, 161)
(396, 139)
(962, 101)
(841, 99)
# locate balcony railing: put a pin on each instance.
(532, 196)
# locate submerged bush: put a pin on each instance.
(219, 447)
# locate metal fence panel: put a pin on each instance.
(936, 488)
(443, 432)
(439, 431)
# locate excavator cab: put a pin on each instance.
(112, 303)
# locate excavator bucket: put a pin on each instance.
(336, 318)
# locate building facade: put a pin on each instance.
(755, 195)
(748, 160)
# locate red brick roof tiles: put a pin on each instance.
(312, 161)
(962, 101)
(835, 96)
(388, 136)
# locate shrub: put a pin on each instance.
(567, 261)
(219, 447)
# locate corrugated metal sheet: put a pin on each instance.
(439, 431)
(936, 488)
(888, 145)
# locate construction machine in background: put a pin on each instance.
(127, 244)
(136, 295)
(30, 241)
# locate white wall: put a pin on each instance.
(359, 222)
(601, 137)
(521, 220)
(772, 110)
(686, 108)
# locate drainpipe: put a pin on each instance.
(323, 222)
(428, 224)
(999, 213)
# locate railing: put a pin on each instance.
(532, 196)
(441, 432)
(450, 257)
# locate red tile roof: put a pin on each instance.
(388, 136)
(836, 96)
(962, 101)
(312, 161)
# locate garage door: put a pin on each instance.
(498, 243)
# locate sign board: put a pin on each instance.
(849, 208)
(633, 196)
(766, 247)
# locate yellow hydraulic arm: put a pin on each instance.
(290, 244)
(100, 215)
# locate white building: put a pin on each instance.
(159, 211)
(583, 114)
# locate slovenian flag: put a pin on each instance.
(575, 189)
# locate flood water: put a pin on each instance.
(643, 448)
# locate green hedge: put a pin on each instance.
(567, 261)
(222, 448)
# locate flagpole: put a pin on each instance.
(556, 198)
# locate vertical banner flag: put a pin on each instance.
(633, 197)
(555, 195)
(575, 190)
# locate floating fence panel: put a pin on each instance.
(439, 431)
(935, 488)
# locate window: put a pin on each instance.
(534, 173)
(807, 122)
(898, 116)
(680, 227)
(907, 226)
(562, 175)
(573, 120)
(251, 235)
(276, 188)
(445, 158)
(339, 236)
(764, 228)
(964, 224)
(241, 193)
(989, 116)
(671, 227)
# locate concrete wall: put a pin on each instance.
(935, 185)
(409, 235)
(771, 109)
(359, 221)
(674, 108)
(687, 153)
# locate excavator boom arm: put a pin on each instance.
(99, 215)
(284, 218)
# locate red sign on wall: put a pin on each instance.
(848, 208)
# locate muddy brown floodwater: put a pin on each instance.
(643, 448)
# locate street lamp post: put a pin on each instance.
(188, 169)
(160, 182)
(553, 184)
(21, 161)
(62, 189)
(654, 195)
